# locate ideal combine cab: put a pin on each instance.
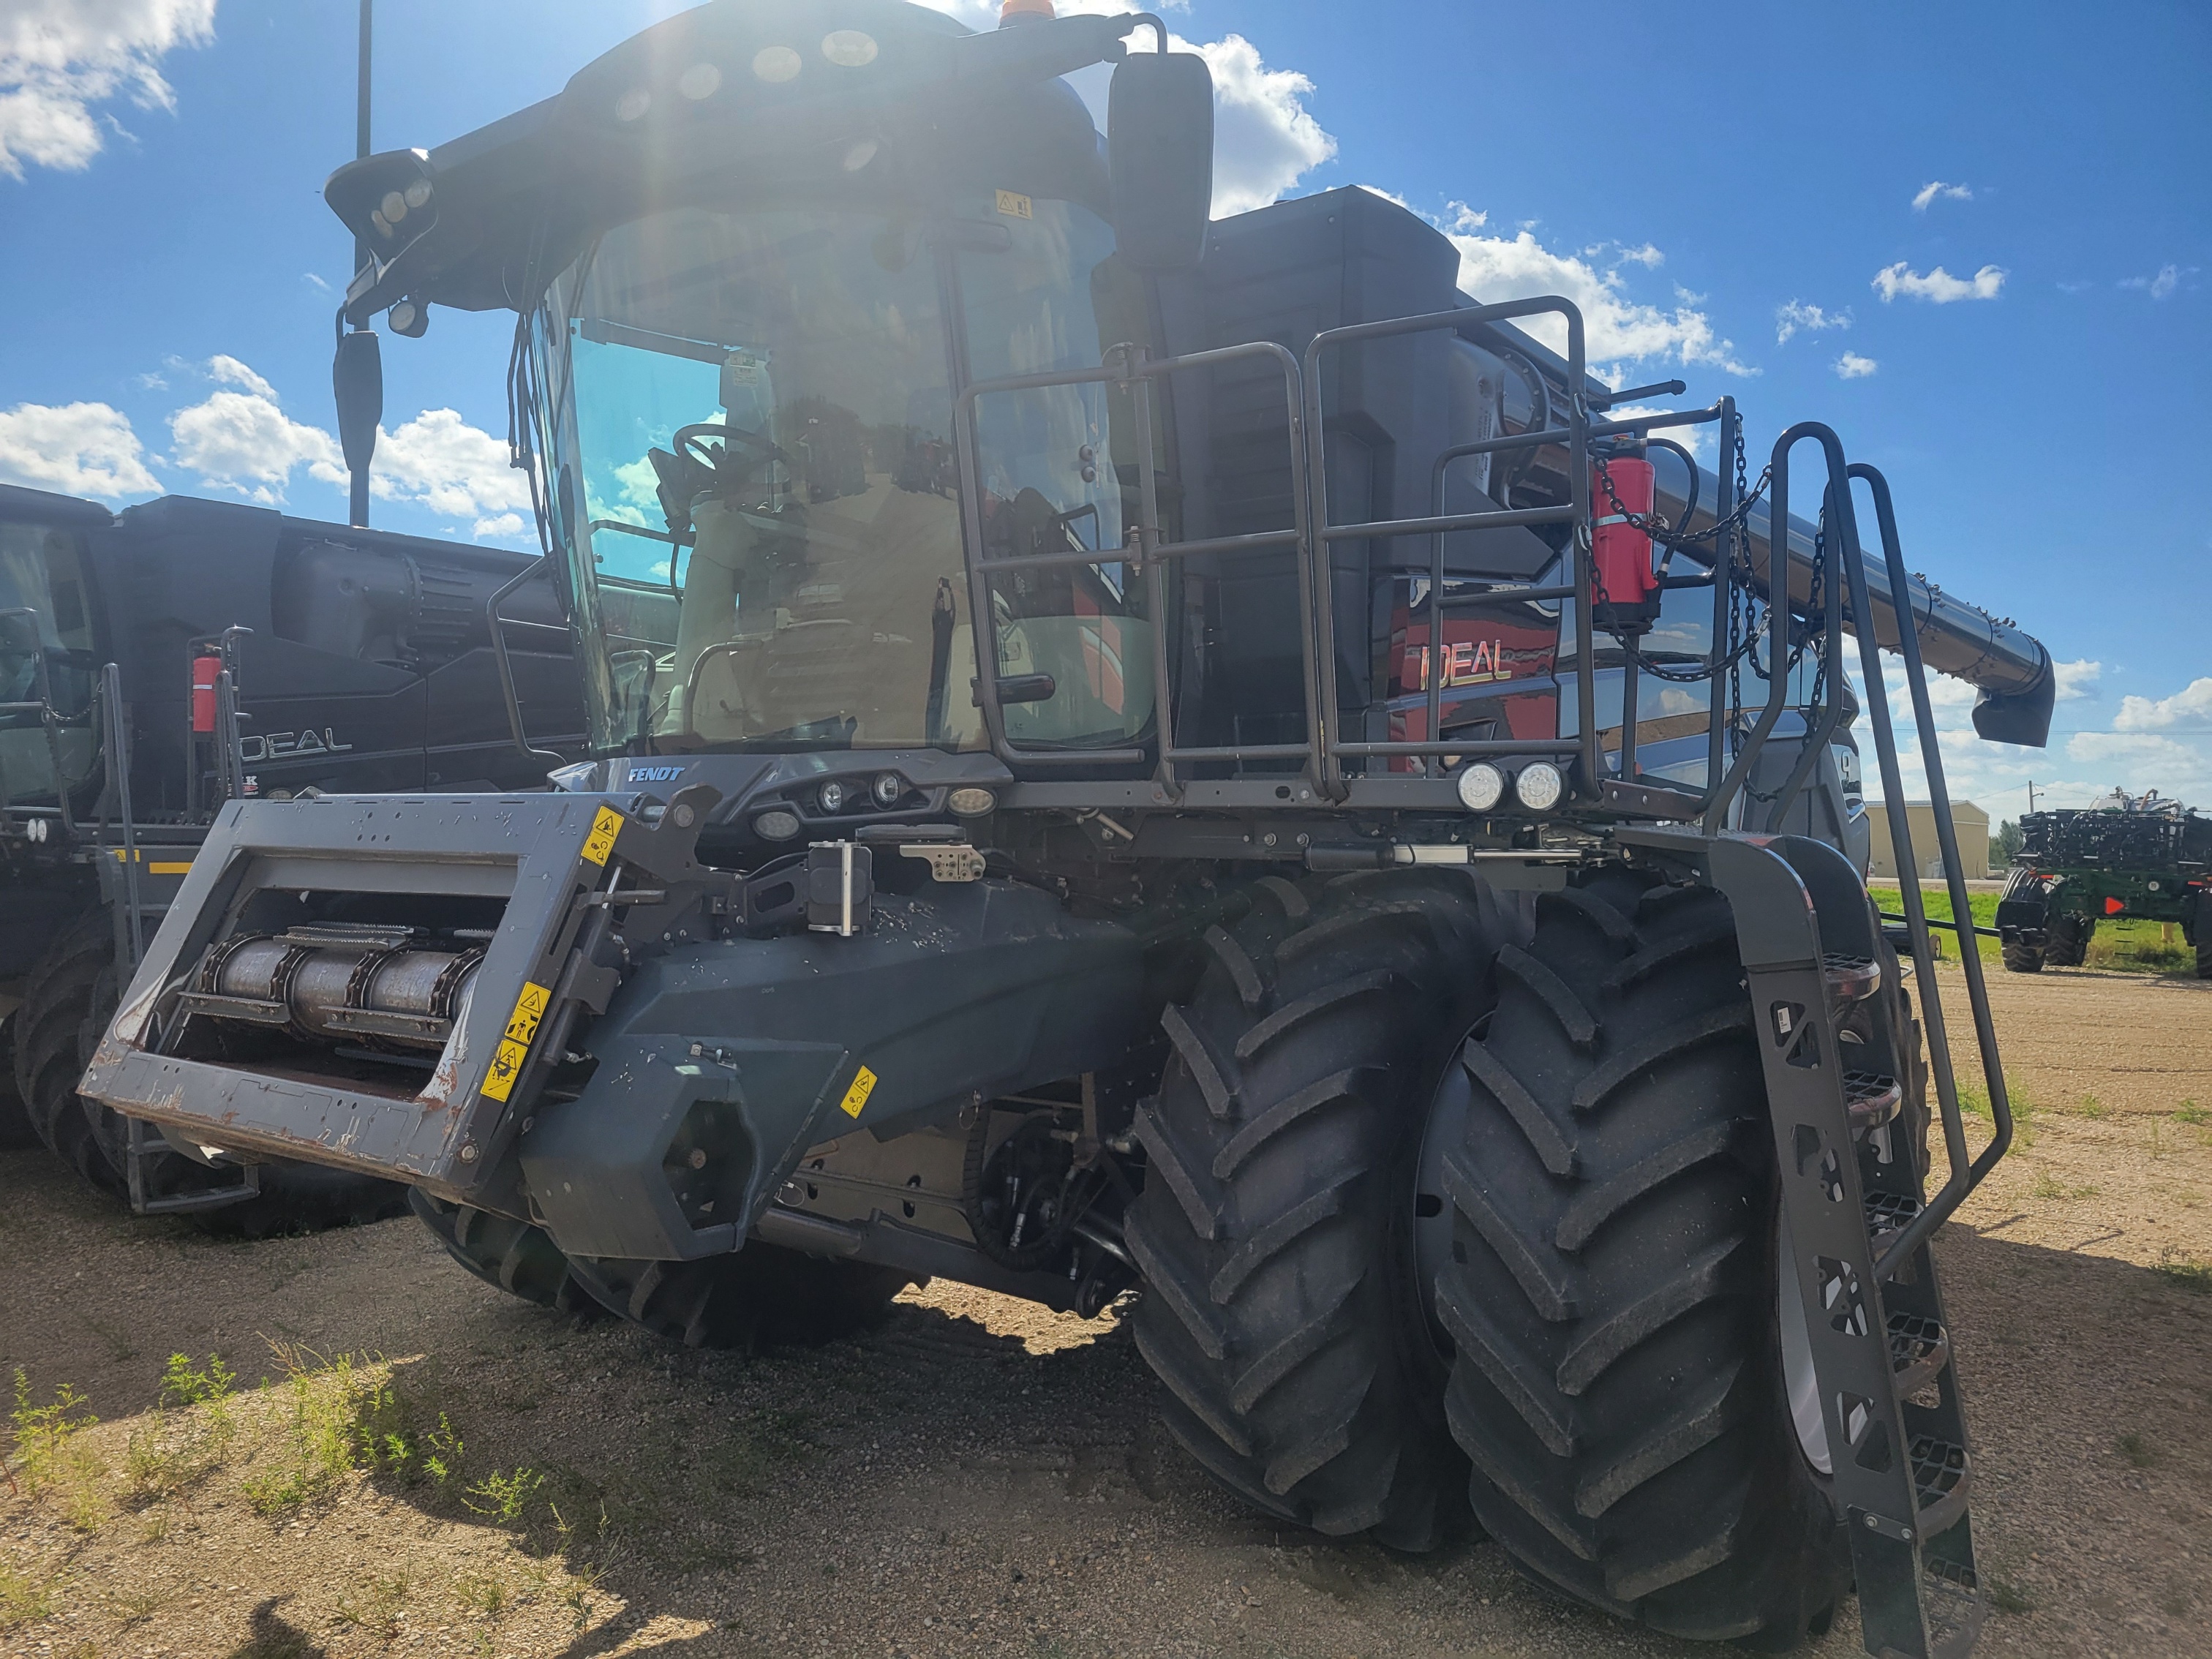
(1137, 755)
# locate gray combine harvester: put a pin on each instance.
(1134, 753)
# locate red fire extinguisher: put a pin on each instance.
(204, 670)
(1621, 553)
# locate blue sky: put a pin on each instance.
(1977, 239)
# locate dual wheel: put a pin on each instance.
(1449, 1207)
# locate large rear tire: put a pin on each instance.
(2069, 941)
(15, 1131)
(73, 995)
(2202, 936)
(2022, 888)
(1274, 1231)
(1618, 1383)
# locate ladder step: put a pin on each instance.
(1953, 1597)
(1888, 1214)
(1919, 1349)
(1851, 979)
(1870, 1099)
(1942, 1476)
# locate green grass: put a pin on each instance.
(2140, 1453)
(2130, 947)
(1937, 899)
(22, 1600)
(2184, 1272)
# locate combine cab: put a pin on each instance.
(1138, 754)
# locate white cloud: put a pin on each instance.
(507, 527)
(1797, 315)
(229, 371)
(76, 449)
(58, 58)
(453, 468)
(1618, 329)
(2076, 769)
(2189, 709)
(2159, 287)
(243, 440)
(1264, 140)
(1938, 189)
(2077, 678)
(1939, 286)
(1852, 366)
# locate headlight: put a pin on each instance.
(891, 787)
(833, 796)
(1481, 786)
(1540, 786)
(779, 825)
(972, 802)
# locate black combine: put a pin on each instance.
(335, 660)
(1138, 754)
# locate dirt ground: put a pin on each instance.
(981, 1478)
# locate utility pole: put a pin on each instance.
(358, 513)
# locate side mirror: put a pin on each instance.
(1160, 140)
(357, 378)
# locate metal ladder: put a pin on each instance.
(1859, 1224)
(141, 1142)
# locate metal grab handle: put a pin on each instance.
(497, 625)
(1963, 1177)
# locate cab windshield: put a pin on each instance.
(44, 623)
(750, 426)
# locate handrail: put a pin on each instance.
(49, 723)
(1963, 1177)
(497, 625)
(1149, 554)
(1577, 512)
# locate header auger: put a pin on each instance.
(1115, 771)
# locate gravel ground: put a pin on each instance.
(982, 1478)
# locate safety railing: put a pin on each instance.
(1965, 1174)
(1150, 557)
(50, 722)
(1573, 421)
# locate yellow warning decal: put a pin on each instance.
(159, 867)
(601, 842)
(529, 1008)
(1016, 206)
(506, 1067)
(515, 1048)
(857, 1096)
